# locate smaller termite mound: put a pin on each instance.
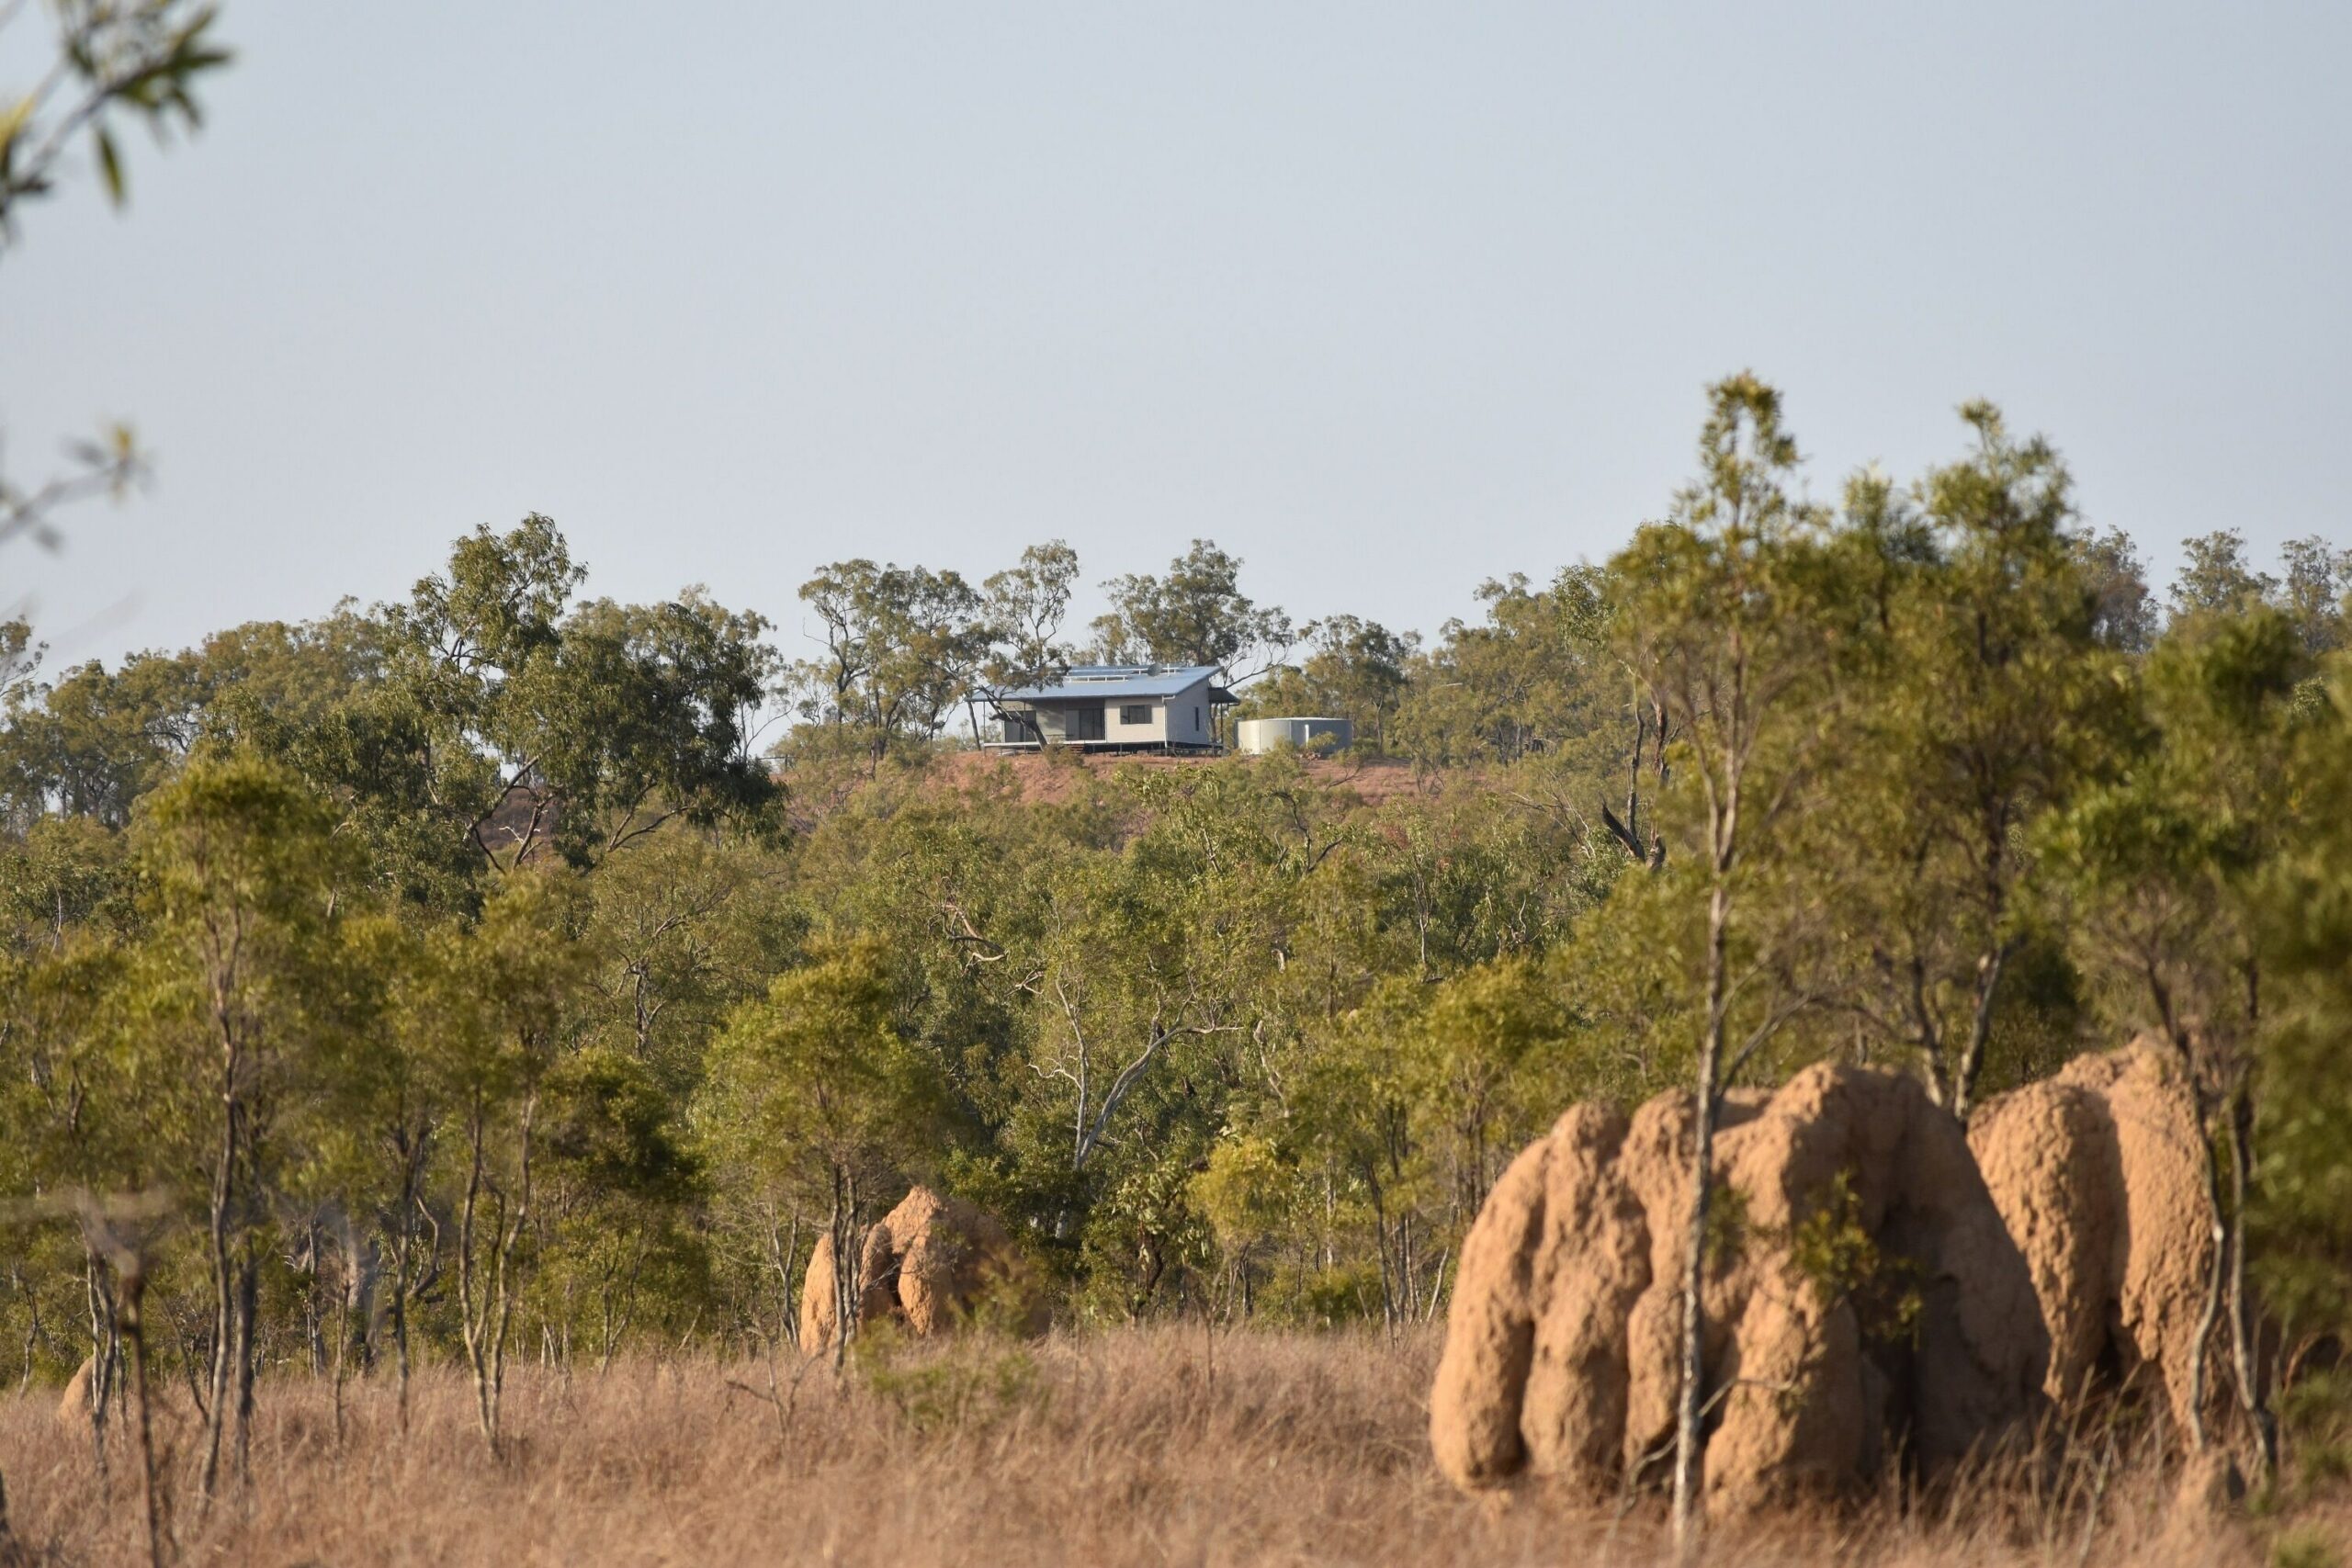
(928, 1265)
(73, 1406)
(1863, 1299)
(2100, 1175)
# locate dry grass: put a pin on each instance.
(1149, 1446)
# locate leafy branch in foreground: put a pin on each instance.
(115, 59)
(112, 60)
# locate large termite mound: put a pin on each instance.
(2101, 1174)
(1862, 1298)
(926, 1265)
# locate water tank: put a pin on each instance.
(1256, 735)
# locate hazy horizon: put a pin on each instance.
(1383, 303)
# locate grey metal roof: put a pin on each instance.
(1110, 683)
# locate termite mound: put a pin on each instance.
(1863, 1300)
(73, 1406)
(928, 1266)
(2100, 1175)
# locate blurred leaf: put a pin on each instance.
(110, 166)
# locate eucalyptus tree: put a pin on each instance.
(381, 1114)
(72, 1109)
(61, 875)
(619, 1190)
(92, 740)
(1533, 674)
(507, 1019)
(241, 871)
(1354, 668)
(1729, 616)
(1026, 606)
(898, 647)
(1345, 1117)
(1121, 981)
(540, 725)
(813, 1106)
(2164, 869)
(1194, 614)
(649, 714)
(1426, 1092)
(2318, 579)
(1988, 699)
(2216, 576)
(69, 1099)
(1171, 940)
(2125, 617)
(466, 648)
(2301, 1218)
(684, 927)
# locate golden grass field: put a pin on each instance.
(1132, 1446)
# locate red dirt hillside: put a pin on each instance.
(1053, 780)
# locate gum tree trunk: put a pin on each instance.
(1690, 1455)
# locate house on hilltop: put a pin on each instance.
(1109, 707)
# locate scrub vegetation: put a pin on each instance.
(437, 1037)
(468, 990)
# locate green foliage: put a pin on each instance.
(1987, 700)
(901, 645)
(1836, 1254)
(1243, 1193)
(584, 728)
(1534, 679)
(1728, 1227)
(139, 61)
(64, 874)
(2306, 1546)
(1196, 613)
(2302, 907)
(1356, 668)
(811, 1089)
(1026, 606)
(2316, 1412)
(1335, 1296)
(971, 1384)
(609, 1131)
(2158, 865)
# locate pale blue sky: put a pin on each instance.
(1385, 300)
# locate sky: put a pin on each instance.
(1385, 300)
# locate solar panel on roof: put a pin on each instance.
(1113, 681)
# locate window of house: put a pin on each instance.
(1197, 719)
(1135, 713)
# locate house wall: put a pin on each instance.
(1189, 721)
(1150, 732)
(1180, 720)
